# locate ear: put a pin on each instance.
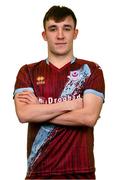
(44, 35)
(75, 33)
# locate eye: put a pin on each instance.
(67, 28)
(52, 28)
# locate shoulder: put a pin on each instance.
(32, 66)
(88, 62)
(91, 64)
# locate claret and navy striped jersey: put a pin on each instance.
(57, 149)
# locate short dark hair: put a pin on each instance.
(59, 13)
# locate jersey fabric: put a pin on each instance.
(54, 149)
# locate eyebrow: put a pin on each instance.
(54, 26)
(68, 25)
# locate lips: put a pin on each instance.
(60, 43)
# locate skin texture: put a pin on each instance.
(60, 37)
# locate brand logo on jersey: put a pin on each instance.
(40, 80)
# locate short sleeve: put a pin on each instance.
(23, 80)
(95, 83)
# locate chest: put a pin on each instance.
(51, 82)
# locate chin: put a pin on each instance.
(61, 53)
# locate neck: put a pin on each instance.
(60, 61)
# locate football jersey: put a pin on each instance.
(58, 149)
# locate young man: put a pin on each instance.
(61, 98)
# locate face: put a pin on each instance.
(60, 36)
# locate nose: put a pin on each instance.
(60, 34)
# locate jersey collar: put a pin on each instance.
(72, 60)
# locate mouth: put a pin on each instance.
(60, 44)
